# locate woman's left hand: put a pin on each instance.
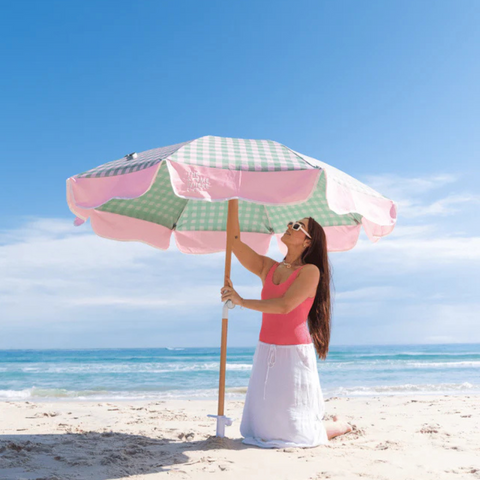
(229, 293)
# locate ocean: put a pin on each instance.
(193, 373)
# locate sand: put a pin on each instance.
(397, 437)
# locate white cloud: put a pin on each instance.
(52, 269)
(375, 293)
(434, 321)
(442, 339)
(413, 249)
(412, 195)
(399, 187)
(407, 322)
(443, 206)
(60, 278)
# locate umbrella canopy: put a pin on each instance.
(182, 189)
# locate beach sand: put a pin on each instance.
(396, 437)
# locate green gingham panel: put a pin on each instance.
(200, 215)
(123, 166)
(239, 154)
(160, 205)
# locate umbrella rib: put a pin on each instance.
(268, 218)
(351, 215)
(299, 155)
(181, 213)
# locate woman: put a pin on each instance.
(284, 405)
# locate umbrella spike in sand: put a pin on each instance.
(181, 190)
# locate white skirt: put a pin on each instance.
(284, 406)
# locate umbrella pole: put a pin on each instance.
(222, 420)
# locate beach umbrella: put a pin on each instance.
(189, 188)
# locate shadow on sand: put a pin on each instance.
(102, 456)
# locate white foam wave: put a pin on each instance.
(444, 364)
(406, 389)
(394, 354)
(398, 364)
(134, 368)
(42, 394)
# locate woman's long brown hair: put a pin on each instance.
(319, 317)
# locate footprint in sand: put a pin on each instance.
(475, 471)
(387, 444)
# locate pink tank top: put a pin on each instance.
(289, 328)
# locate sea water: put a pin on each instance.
(193, 373)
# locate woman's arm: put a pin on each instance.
(301, 288)
(271, 305)
(248, 257)
(296, 294)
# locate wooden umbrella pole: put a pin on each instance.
(223, 351)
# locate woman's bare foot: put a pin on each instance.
(348, 427)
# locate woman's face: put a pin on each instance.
(296, 237)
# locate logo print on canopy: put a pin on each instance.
(197, 182)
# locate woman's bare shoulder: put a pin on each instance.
(310, 267)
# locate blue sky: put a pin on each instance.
(388, 92)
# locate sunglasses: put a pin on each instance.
(298, 226)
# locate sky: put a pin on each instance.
(388, 92)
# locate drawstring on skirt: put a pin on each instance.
(271, 362)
